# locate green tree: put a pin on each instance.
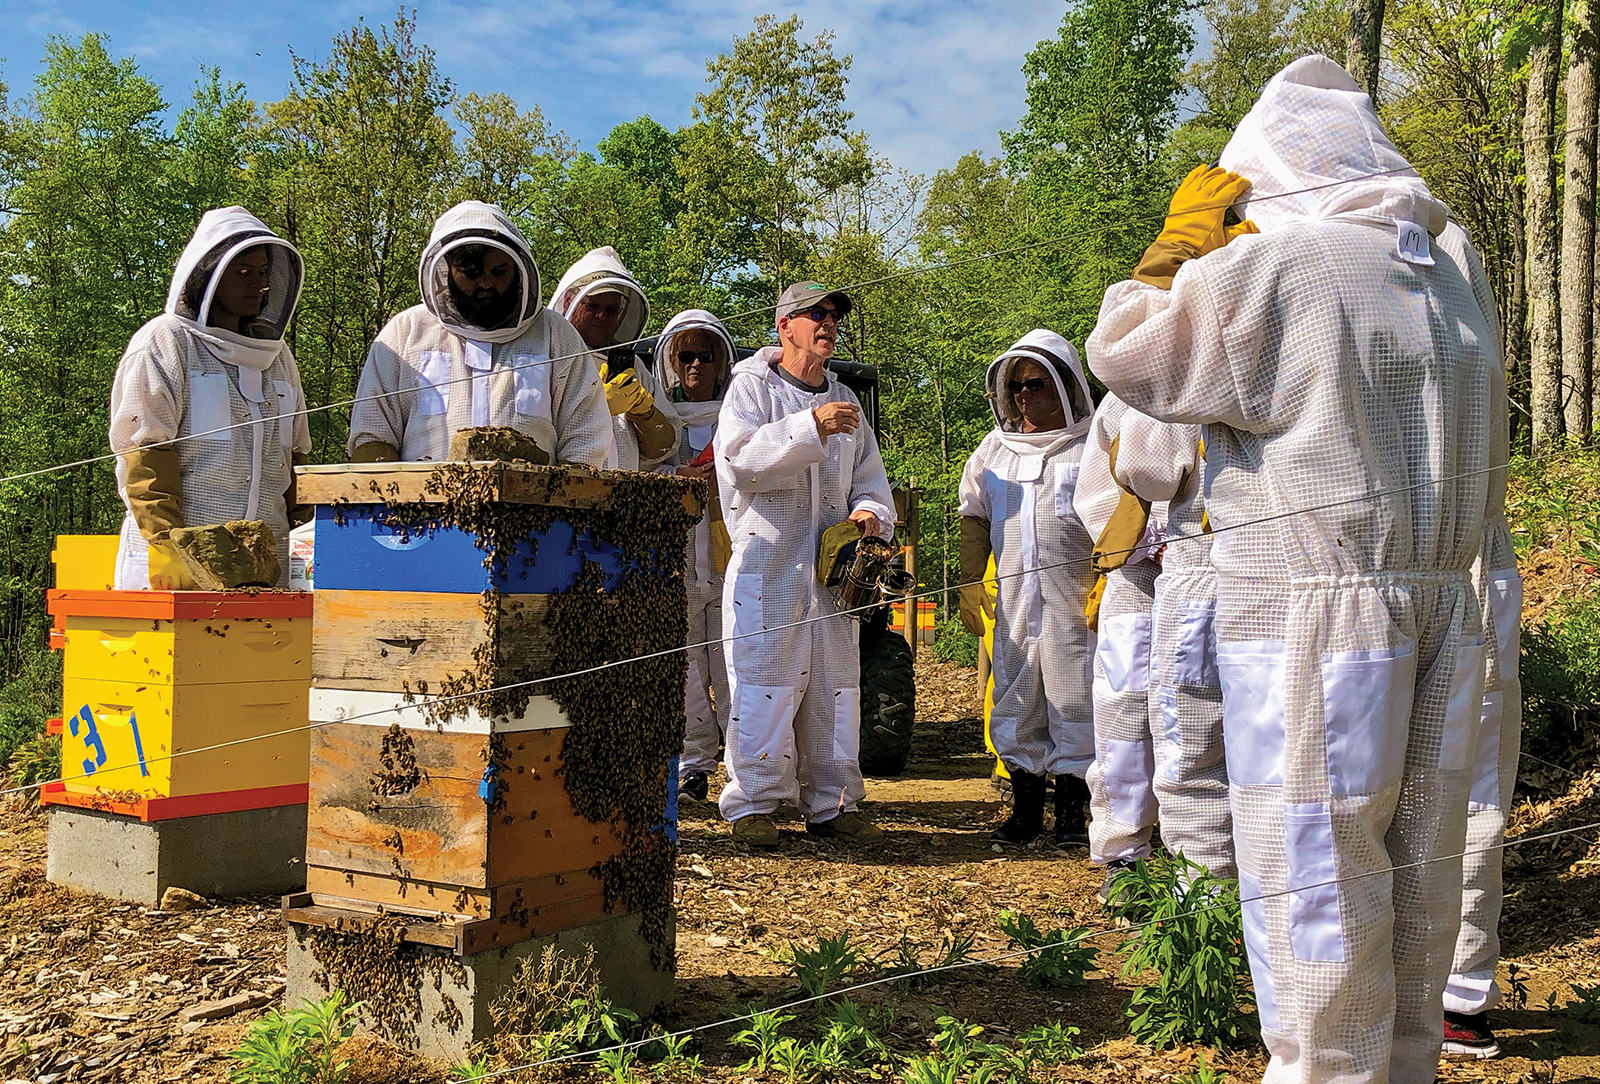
(366, 164)
(87, 247)
(1102, 97)
(778, 102)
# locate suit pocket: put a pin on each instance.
(1366, 705)
(1124, 652)
(1194, 655)
(1252, 678)
(210, 407)
(433, 383)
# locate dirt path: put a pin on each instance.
(93, 991)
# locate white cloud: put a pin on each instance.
(931, 80)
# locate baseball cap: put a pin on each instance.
(802, 295)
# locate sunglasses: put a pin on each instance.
(687, 358)
(818, 313)
(1017, 387)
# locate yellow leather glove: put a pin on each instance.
(167, 570)
(154, 488)
(624, 393)
(376, 451)
(976, 602)
(975, 606)
(1195, 224)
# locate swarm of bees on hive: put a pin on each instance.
(626, 721)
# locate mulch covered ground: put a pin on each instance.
(96, 991)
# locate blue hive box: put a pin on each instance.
(358, 551)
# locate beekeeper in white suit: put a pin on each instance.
(693, 359)
(1161, 462)
(1336, 356)
(1471, 990)
(1016, 501)
(215, 359)
(794, 459)
(481, 350)
(602, 300)
(1126, 532)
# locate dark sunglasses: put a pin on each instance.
(1017, 387)
(687, 358)
(818, 313)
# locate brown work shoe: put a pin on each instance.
(757, 830)
(852, 826)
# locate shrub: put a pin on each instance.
(953, 643)
(1193, 938)
(555, 1007)
(1560, 672)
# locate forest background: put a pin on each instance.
(1493, 100)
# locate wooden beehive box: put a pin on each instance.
(442, 581)
(152, 677)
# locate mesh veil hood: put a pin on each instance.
(222, 235)
(1315, 128)
(601, 271)
(1060, 360)
(474, 222)
(667, 375)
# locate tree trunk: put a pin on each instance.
(1363, 44)
(1544, 239)
(1577, 225)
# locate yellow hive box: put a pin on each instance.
(85, 562)
(150, 674)
(119, 737)
(193, 652)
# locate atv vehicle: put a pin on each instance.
(888, 681)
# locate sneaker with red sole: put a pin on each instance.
(1468, 1038)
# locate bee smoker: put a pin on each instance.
(868, 579)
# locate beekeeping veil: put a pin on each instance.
(666, 373)
(222, 235)
(476, 223)
(601, 271)
(1313, 148)
(1060, 360)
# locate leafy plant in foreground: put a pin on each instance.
(1062, 957)
(1192, 936)
(300, 1046)
(820, 969)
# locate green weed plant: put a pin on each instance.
(1062, 958)
(1189, 930)
(300, 1046)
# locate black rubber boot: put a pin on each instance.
(1027, 810)
(1072, 811)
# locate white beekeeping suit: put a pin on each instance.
(183, 379)
(795, 713)
(1022, 485)
(601, 271)
(434, 371)
(1472, 989)
(1162, 462)
(704, 720)
(1122, 778)
(1334, 357)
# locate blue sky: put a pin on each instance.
(932, 79)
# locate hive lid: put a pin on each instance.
(561, 486)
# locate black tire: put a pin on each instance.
(888, 700)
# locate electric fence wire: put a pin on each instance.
(989, 961)
(414, 704)
(763, 309)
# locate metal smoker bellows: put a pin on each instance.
(868, 579)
